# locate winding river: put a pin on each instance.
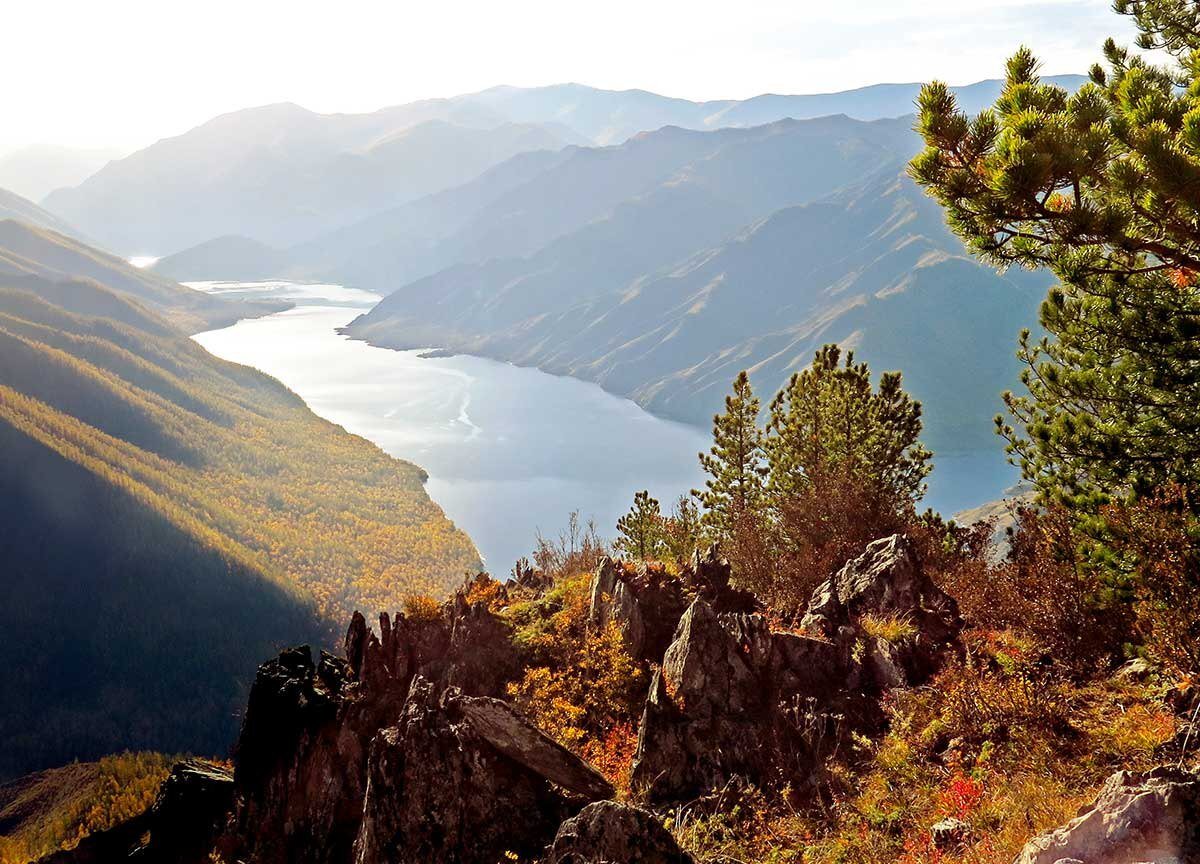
(510, 451)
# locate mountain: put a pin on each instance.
(871, 267)
(283, 175)
(518, 207)
(230, 257)
(29, 251)
(280, 174)
(165, 517)
(611, 116)
(50, 809)
(13, 206)
(37, 170)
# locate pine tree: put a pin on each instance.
(735, 463)
(1101, 188)
(641, 529)
(828, 424)
(682, 530)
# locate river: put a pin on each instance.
(510, 451)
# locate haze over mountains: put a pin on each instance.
(282, 175)
(35, 171)
(671, 323)
(14, 206)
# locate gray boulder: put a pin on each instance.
(733, 699)
(613, 601)
(888, 582)
(1138, 818)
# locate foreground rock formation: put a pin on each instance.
(402, 751)
(733, 698)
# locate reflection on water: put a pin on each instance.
(509, 451)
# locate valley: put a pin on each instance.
(410, 455)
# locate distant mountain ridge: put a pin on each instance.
(611, 116)
(37, 170)
(282, 175)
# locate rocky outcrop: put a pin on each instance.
(401, 752)
(466, 646)
(887, 584)
(646, 603)
(610, 832)
(439, 790)
(1147, 818)
(301, 758)
(950, 834)
(178, 828)
(733, 698)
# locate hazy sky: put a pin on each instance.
(127, 72)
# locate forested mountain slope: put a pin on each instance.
(167, 517)
(26, 250)
(13, 206)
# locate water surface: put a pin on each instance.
(510, 451)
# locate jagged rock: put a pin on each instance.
(188, 813)
(808, 666)
(712, 711)
(181, 824)
(439, 791)
(525, 578)
(514, 736)
(709, 574)
(887, 582)
(949, 834)
(301, 758)
(1147, 818)
(481, 658)
(648, 602)
(610, 832)
(734, 698)
(613, 601)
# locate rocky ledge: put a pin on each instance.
(403, 750)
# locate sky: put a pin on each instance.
(125, 73)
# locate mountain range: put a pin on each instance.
(672, 319)
(14, 206)
(661, 266)
(281, 175)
